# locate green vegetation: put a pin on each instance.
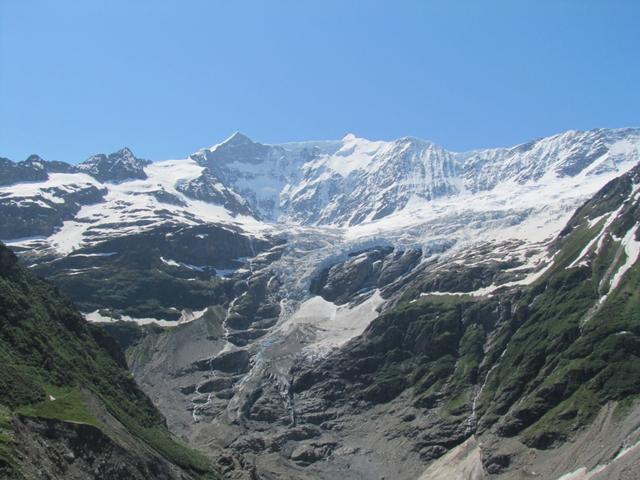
(61, 404)
(8, 461)
(433, 344)
(552, 354)
(572, 351)
(556, 371)
(176, 451)
(47, 349)
(214, 317)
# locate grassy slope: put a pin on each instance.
(46, 348)
(573, 353)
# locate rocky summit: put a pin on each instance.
(350, 309)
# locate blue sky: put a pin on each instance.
(168, 77)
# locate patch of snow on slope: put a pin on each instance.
(167, 173)
(632, 251)
(24, 241)
(186, 316)
(171, 263)
(64, 181)
(599, 238)
(488, 291)
(70, 237)
(97, 317)
(332, 325)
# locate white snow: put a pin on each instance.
(332, 325)
(595, 221)
(481, 292)
(171, 263)
(355, 154)
(599, 238)
(64, 181)
(432, 194)
(70, 236)
(632, 251)
(186, 316)
(24, 241)
(130, 202)
(198, 268)
(168, 172)
(533, 212)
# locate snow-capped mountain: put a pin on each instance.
(568, 154)
(388, 358)
(355, 180)
(368, 186)
(354, 305)
(259, 173)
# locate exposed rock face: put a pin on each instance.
(164, 197)
(115, 167)
(50, 166)
(27, 171)
(42, 214)
(158, 273)
(58, 449)
(33, 169)
(257, 172)
(208, 188)
(364, 271)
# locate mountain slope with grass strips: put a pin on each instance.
(69, 407)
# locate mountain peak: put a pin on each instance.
(34, 158)
(116, 167)
(34, 161)
(237, 138)
(126, 152)
(410, 139)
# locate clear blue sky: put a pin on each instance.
(167, 77)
